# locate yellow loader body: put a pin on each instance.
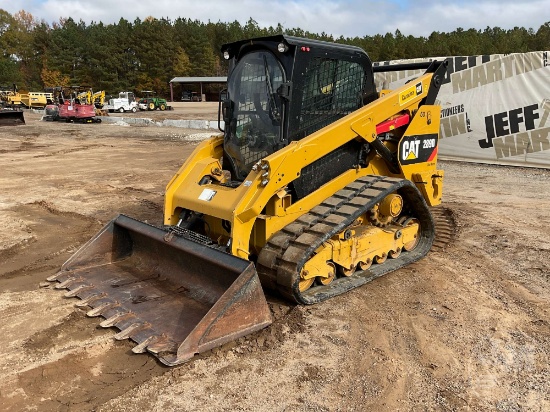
(319, 184)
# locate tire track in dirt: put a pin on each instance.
(75, 367)
(80, 367)
(46, 249)
(24, 146)
(66, 361)
(70, 150)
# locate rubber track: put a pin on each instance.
(282, 258)
(445, 227)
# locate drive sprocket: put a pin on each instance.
(377, 218)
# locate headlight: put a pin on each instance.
(282, 48)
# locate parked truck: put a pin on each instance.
(126, 102)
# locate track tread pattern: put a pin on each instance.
(281, 259)
(445, 227)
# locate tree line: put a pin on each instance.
(145, 54)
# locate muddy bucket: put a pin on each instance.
(173, 296)
(11, 118)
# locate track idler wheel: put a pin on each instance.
(366, 264)
(331, 275)
(381, 259)
(406, 221)
(347, 272)
(394, 254)
(325, 279)
(305, 284)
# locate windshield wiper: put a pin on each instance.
(273, 108)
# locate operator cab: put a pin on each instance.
(283, 88)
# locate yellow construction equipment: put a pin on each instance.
(10, 107)
(98, 99)
(37, 100)
(88, 96)
(10, 97)
(319, 184)
(84, 97)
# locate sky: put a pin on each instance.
(348, 18)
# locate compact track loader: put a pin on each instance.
(318, 185)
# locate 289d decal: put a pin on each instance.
(417, 149)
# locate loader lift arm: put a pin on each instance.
(275, 172)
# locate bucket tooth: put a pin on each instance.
(53, 278)
(66, 283)
(77, 290)
(163, 345)
(127, 333)
(90, 299)
(100, 309)
(113, 320)
(142, 347)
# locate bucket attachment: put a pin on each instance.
(11, 118)
(171, 295)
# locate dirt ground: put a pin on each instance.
(466, 328)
